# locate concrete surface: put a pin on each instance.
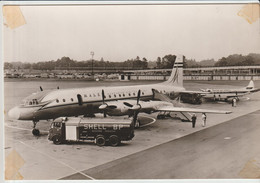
(45, 161)
(227, 150)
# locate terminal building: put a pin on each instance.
(202, 73)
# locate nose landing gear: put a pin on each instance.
(35, 131)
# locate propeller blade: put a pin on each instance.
(138, 96)
(135, 117)
(127, 104)
(41, 88)
(104, 105)
(137, 106)
(103, 96)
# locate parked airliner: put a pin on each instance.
(52, 104)
(229, 94)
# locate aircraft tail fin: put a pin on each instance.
(251, 85)
(176, 77)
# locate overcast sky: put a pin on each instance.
(122, 32)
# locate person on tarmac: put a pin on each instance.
(234, 102)
(203, 117)
(193, 119)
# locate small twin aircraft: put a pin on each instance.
(51, 104)
(228, 94)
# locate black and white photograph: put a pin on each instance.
(131, 91)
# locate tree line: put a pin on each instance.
(68, 63)
(165, 62)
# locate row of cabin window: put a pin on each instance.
(64, 100)
(121, 95)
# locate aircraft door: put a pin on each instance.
(80, 101)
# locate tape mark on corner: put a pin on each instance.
(250, 12)
(13, 16)
(13, 163)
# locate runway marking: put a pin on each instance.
(227, 138)
(21, 128)
(154, 120)
(58, 161)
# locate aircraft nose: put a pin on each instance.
(14, 113)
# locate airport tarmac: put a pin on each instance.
(42, 160)
(226, 150)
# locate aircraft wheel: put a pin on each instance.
(36, 132)
(100, 140)
(56, 139)
(114, 140)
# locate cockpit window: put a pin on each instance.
(35, 98)
(31, 102)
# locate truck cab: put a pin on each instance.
(56, 132)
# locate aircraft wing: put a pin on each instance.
(238, 95)
(193, 110)
(193, 91)
(202, 93)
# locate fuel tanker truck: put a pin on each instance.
(102, 131)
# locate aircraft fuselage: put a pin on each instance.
(81, 101)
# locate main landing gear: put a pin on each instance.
(163, 115)
(35, 131)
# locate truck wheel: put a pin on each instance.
(56, 140)
(100, 140)
(114, 140)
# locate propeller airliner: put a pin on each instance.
(51, 104)
(228, 94)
